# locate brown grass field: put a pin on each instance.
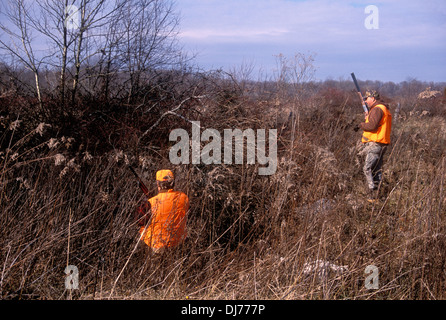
(306, 232)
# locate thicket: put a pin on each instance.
(108, 92)
(306, 232)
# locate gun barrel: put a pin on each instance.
(364, 106)
(355, 82)
(142, 186)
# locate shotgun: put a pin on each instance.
(364, 105)
(143, 212)
(142, 186)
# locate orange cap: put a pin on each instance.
(164, 175)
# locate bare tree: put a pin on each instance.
(71, 39)
(130, 39)
(149, 30)
(21, 42)
(294, 72)
(94, 17)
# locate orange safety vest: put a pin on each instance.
(168, 225)
(382, 134)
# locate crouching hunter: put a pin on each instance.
(162, 219)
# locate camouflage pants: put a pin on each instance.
(372, 169)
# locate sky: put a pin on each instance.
(395, 41)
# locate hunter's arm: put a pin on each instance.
(143, 214)
(374, 119)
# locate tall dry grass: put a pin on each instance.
(305, 232)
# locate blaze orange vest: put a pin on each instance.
(168, 225)
(382, 134)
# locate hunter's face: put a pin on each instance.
(370, 101)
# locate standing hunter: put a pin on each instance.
(375, 140)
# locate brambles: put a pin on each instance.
(66, 197)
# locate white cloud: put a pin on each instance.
(270, 21)
(309, 22)
(233, 29)
(215, 34)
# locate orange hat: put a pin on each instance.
(164, 175)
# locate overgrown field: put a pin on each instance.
(306, 232)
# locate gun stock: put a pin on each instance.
(364, 106)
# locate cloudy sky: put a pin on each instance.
(408, 40)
